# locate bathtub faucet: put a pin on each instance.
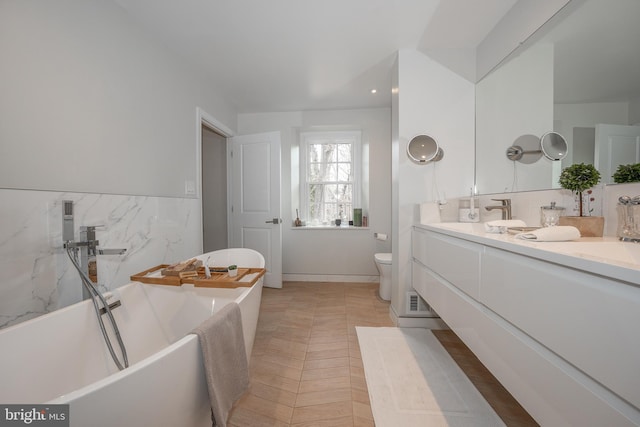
(86, 267)
(88, 246)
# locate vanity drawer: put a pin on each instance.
(586, 319)
(551, 391)
(456, 260)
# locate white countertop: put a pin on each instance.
(604, 256)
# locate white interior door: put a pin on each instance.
(616, 145)
(255, 199)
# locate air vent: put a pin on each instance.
(416, 305)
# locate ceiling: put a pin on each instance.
(296, 55)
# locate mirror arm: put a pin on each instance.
(552, 145)
(515, 152)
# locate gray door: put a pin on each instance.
(214, 190)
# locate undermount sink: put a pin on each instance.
(609, 252)
(464, 227)
(479, 227)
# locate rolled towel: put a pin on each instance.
(559, 233)
(501, 225)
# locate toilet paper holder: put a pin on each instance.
(380, 236)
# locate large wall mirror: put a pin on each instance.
(578, 75)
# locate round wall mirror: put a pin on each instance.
(551, 144)
(554, 146)
(424, 149)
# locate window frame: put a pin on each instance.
(310, 137)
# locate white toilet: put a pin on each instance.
(383, 263)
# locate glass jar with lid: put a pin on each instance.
(550, 215)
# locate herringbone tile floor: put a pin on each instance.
(306, 369)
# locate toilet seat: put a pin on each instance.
(383, 258)
(383, 264)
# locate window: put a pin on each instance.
(330, 176)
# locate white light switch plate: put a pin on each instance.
(190, 188)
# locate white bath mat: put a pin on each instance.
(413, 381)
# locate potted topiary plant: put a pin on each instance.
(579, 178)
(627, 173)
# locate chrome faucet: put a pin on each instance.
(86, 267)
(505, 207)
(89, 249)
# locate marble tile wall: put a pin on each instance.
(36, 277)
(526, 205)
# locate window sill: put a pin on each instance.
(330, 227)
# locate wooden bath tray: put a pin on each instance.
(246, 277)
(154, 276)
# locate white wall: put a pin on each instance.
(634, 111)
(427, 99)
(91, 103)
(92, 106)
(332, 254)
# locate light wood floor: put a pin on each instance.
(306, 369)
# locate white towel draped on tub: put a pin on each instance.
(559, 233)
(225, 360)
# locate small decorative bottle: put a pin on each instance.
(357, 217)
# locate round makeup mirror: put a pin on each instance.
(551, 144)
(423, 149)
(554, 146)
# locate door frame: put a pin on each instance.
(603, 157)
(205, 119)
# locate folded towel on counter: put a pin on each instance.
(559, 233)
(225, 360)
(501, 225)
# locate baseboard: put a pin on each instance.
(421, 322)
(330, 278)
(416, 322)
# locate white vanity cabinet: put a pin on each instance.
(455, 260)
(564, 341)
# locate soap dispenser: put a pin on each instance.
(468, 210)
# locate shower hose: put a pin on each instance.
(95, 296)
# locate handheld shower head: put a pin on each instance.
(67, 221)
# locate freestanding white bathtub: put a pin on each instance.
(61, 357)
